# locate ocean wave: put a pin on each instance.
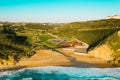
(62, 73)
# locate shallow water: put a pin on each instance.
(62, 73)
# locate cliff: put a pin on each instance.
(108, 49)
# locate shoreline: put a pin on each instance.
(52, 58)
(76, 66)
(23, 67)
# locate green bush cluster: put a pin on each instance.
(8, 47)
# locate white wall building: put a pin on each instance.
(113, 17)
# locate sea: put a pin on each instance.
(61, 73)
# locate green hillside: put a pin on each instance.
(9, 47)
(44, 26)
(110, 23)
(21, 41)
(91, 32)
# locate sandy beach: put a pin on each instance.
(45, 58)
(53, 58)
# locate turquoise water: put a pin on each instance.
(62, 73)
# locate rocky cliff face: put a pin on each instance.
(103, 51)
(109, 49)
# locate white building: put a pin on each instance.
(113, 17)
(1, 24)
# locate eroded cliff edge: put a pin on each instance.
(108, 49)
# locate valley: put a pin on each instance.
(19, 41)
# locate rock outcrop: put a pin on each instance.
(109, 49)
(103, 51)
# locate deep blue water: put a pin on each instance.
(62, 73)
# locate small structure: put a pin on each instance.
(74, 46)
(113, 17)
(69, 44)
(1, 24)
(80, 49)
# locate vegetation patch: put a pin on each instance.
(50, 45)
(91, 37)
(44, 37)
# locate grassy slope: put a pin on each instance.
(91, 32)
(88, 36)
(8, 47)
(111, 23)
(16, 49)
(41, 26)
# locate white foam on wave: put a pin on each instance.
(80, 71)
(72, 71)
(10, 73)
